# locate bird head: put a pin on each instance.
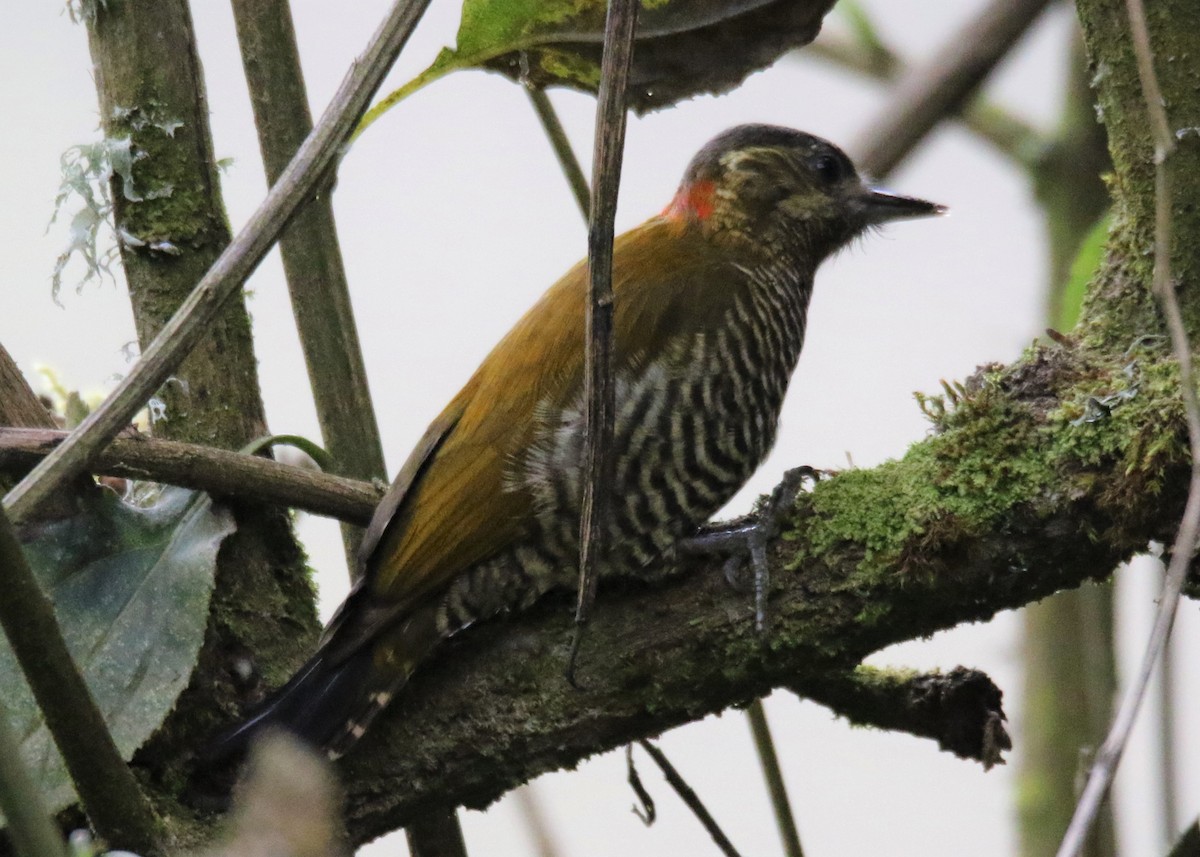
(783, 194)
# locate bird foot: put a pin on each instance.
(745, 539)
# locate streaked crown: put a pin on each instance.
(779, 192)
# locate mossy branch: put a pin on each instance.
(1012, 499)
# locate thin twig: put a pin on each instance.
(312, 257)
(26, 816)
(1168, 744)
(218, 471)
(106, 787)
(531, 812)
(572, 171)
(619, 27)
(773, 774)
(689, 797)
(940, 88)
(306, 171)
(1109, 756)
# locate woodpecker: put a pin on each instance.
(710, 304)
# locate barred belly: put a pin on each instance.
(691, 427)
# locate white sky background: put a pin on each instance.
(453, 218)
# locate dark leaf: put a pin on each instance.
(684, 47)
(131, 589)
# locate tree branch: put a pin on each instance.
(960, 709)
(869, 558)
(938, 89)
(1184, 547)
(1003, 130)
(219, 472)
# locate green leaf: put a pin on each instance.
(131, 589)
(683, 48)
(1087, 262)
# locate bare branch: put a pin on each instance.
(562, 149)
(219, 472)
(929, 94)
(1007, 133)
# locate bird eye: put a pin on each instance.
(827, 168)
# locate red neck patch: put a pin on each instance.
(693, 201)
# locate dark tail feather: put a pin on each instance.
(314, 705)
(332, 699)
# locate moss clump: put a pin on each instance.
(1046, 428)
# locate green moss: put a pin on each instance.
(569, 66)
(873, 613)
(1003, 440)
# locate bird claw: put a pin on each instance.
(742, 540)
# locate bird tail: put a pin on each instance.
(333, 698)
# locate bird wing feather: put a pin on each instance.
(454, 503)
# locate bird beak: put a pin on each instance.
(882, 206)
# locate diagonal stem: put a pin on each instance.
(930, 93)
(572, 172)
(689, 797)
(773, 774)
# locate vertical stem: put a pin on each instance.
(772, 773)
(619, 28)
(150, 85)
(106, 787)
(312, 257)
(1167, 744)
(26, 816)
(535, 822)
(437, 834)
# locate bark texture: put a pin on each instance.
(172, 221)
